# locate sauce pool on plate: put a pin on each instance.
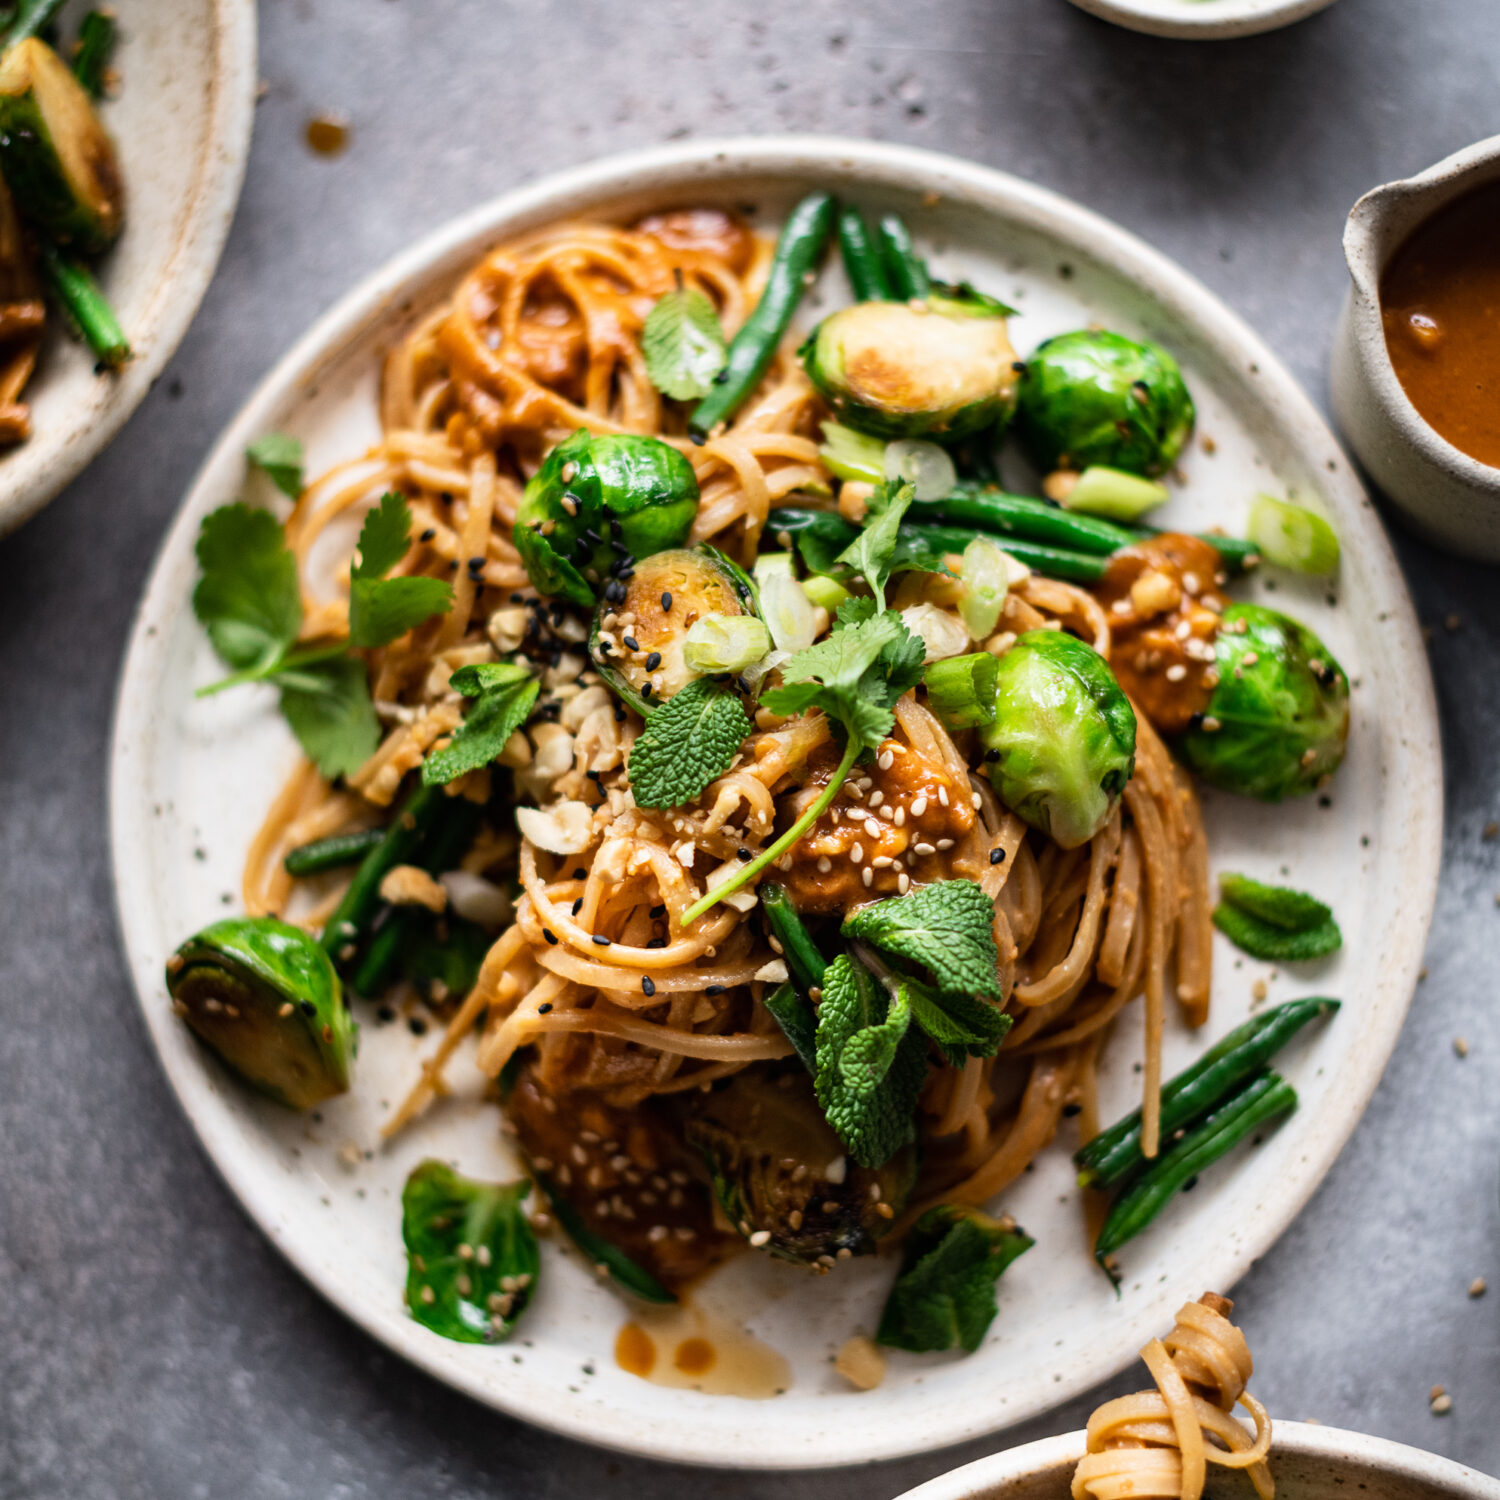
(692, 1349)
(1440, 304)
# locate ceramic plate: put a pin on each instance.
(1203, 20)
(1308, 1462)
(191, 779)
(181, 122)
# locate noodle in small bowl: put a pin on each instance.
(192, 780)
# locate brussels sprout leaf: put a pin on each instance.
(472, 1258)
(1273, 943)
(947, 927)
(248, 598)
(873, 551)
(327, 703)
(280, 458)
(381, 608)
(870, 1064)
(683, 344)
(944, 1296)
(504, 694)
(687, 743)
(1279, 905)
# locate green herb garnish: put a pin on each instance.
(504, 693)
(381, 608)
(948, 927)
(1273, 922)
(683, 344)
(279, 456)
(687, 743)
(873, 551)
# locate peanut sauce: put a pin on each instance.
(1440, 305)
(627, 1172)
(901, 815)
(1163, 605)
(703, 231)
(692, 1349)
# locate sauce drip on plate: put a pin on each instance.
(686, 1347)
(1440, 304)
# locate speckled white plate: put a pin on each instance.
(190, 781)
(1308, 1462)
(1203, 20)
(181, 123)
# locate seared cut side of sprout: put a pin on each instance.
(265, 996)
(639, 641)
(56, 155)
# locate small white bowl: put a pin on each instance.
(1444, 495)
(181, 124)
(1202, 20)
(1308, 1462)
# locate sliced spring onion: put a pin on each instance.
(787, 611)
(986, 572)
(942, 632)
(825, 593)
(961, 690)
(726, 643)
(851, 455)
(924, 464)
(1291, 536)
(774, 562)
(1113, 494)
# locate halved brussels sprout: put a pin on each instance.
(640, 631)
(58, 158)
(770, 1152)
(942, 368)
(597, 506)
(266, 998)
(1278, 720)
(1062, 743)
(1093, 397)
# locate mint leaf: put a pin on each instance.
(506, 694)
(683, 344)
(944, 1296)
(1293, 911)
(1264, 940)
(248, 599)
(327, 703)
(380, 608)
(688, 742)
(870, 1064)
(280, 456)
(947, 927)
(961, 1026)
(472, 1259)
(873, 551)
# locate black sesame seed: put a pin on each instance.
(997, 856)
(580, 873)
(417, 1026)
(656, 942)
(992, 755)
(714, 989)
(308, 1008)
(647, 690)
(666, 604)
(428, 535)
(475, 564)
(522, 599)
(657, 912)
(387, 1013)
(576, 905)
(600, 940)
(648, 985)
(1069, 1110)
(544, 1007)
(1190, 1184)
(619, 713)
(653, 661)
(631, 644)
(743, 855)
(626, 572)
(550, 936)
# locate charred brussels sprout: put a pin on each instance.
(1093, 397)
(770, 1152)
(1062, 743)
(1279, 718)
(645, 661)
(942, 368)
(265, 997)
(596, 506)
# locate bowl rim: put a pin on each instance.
(1227, 20)
(1367, 254)
(1056, 1456)
(192, 258)
(674, 169)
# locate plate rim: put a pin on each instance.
(197, 248)
(670, 168)
(1229, 19)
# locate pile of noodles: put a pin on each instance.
(540, 338)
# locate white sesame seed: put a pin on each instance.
(856, 854)
(977, 800)
(900, 818)
(886, 760)
(945, 843)
(1176, 672)
(876, 798)
(881, 862)
(482, 1255)
(903, 883)
(943, 795)
(760, 1237)
(824, 864)
(868, 876)
(1210, 724)
(923, 849)
(918, 807)
(428, 1295)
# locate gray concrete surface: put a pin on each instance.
(152, 1344)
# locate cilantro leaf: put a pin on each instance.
(870, 1064)
(961, 1026)
(468, 1244)
(948, 927)
(873, 551)
(381, 608)
(1273, 944)
(683, 344)
(505, 694)
(944, 1296)
(280, 457)
(1294, 911)
(248, 598)
(327, 703)
(688, 742)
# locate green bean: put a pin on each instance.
(1265, 1097)
(1115, 1154)
(862, 263)
(403, 836)
(904, 268)
(796, 1017)
(31, 17)
(330, 853)
(600, 1252)
(96, 43)
(82, 299)
(753, 347)
(1051, 562)
(806, 963)
(1021, 516)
